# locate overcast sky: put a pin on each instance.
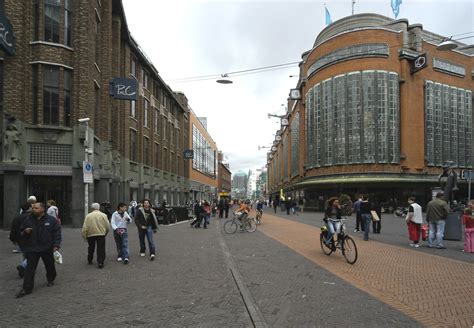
(190, 38)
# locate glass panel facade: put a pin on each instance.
(284, 158)
(356, 119)
(205, 157)
(295, 142)
(448, 124)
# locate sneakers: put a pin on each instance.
(119, 259)
(22, 293)
(356, 230)
(152, 257)
(142, 254)
(125, 261)
(100, 265)
(417, 245)
(412, 245)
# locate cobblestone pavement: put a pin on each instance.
(192, 283)
(394, 232)
(435, 290)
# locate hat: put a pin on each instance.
(31, 199)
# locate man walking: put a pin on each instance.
(436, 214)
(41, 236)
(95, 228)
(120, 219)
(15, 235)
(356, 209)
(147, 225)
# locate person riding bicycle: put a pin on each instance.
(244, 210)
(260, 207)
(332, 217)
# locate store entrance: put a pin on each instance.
(58, 189)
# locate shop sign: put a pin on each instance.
(7, 39)
(122, 88)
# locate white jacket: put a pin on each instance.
(417, 214)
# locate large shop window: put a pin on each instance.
(204, 159)
(353, 118)
(448, 125)
(295, 142)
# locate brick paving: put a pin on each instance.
(434, 290)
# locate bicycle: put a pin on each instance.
(258, 217)
(344, 242)
(248, 224)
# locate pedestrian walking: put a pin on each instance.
(220, 207)
(53, 210)
(356, 209)
(275, 204)
(206, 213)
(40, 237)
(120, 220)
(226, 207)
(365, 215)
(95, 228)
(147, 225)
(414, 221)
(468, 221)
(377, 224)
(436, 213)
(197, 209)
(15, 235)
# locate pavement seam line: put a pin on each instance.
(251, 306)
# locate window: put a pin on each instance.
(67, 97)
(133, 66)
(145, 84)
(142, 77)
(146, 151)
(50, 95)
(133, 109)
(34, 91)
(97, 39)
(165, 122)
(133, 145)
(157, 121)
(67, 22)
(51, 20)
(145, 113)
(156, 154)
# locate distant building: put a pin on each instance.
(239, 185)
(224, 181)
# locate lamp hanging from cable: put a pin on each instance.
(447, 44)
(224, 79)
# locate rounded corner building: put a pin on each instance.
(382, 109)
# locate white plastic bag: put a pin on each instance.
(58, 258)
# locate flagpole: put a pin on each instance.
(353, 3)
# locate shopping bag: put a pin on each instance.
(375, 216)
(58, 258)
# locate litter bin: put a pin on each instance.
(453, 228)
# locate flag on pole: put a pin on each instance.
(328, 15)
(396, 7)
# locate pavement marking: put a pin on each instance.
(436, 291)
(255, 315)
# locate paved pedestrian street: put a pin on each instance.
(275, 277)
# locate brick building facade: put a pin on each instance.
(66, 53)
(367, 122)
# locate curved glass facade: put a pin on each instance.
(353, 118)
(295, 142)
(448, 125)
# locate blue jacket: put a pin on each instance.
(45, 235)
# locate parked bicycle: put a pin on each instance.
(344, 242)
(248, 224)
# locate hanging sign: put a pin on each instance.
(122, 88)
(7, 39)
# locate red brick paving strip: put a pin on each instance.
(436, 291)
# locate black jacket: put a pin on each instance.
(140, 219)
(15, 233)
(45, 235)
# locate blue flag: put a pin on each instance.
(328, 16)
(396, 7)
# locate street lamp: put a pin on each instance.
(448, 44)
(85, 121)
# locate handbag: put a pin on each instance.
(375, 216)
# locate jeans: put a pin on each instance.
(365, 223)
(121, 241)
(100, 241)
(333, 227)
(148, 232)
(33, 259)
(436, 232)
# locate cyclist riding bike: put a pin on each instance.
(260, 207)
(244, 211)
(332, 218)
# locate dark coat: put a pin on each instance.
(140, 219)
(15, 233)
(45, 236)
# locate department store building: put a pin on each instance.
(379, 110)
